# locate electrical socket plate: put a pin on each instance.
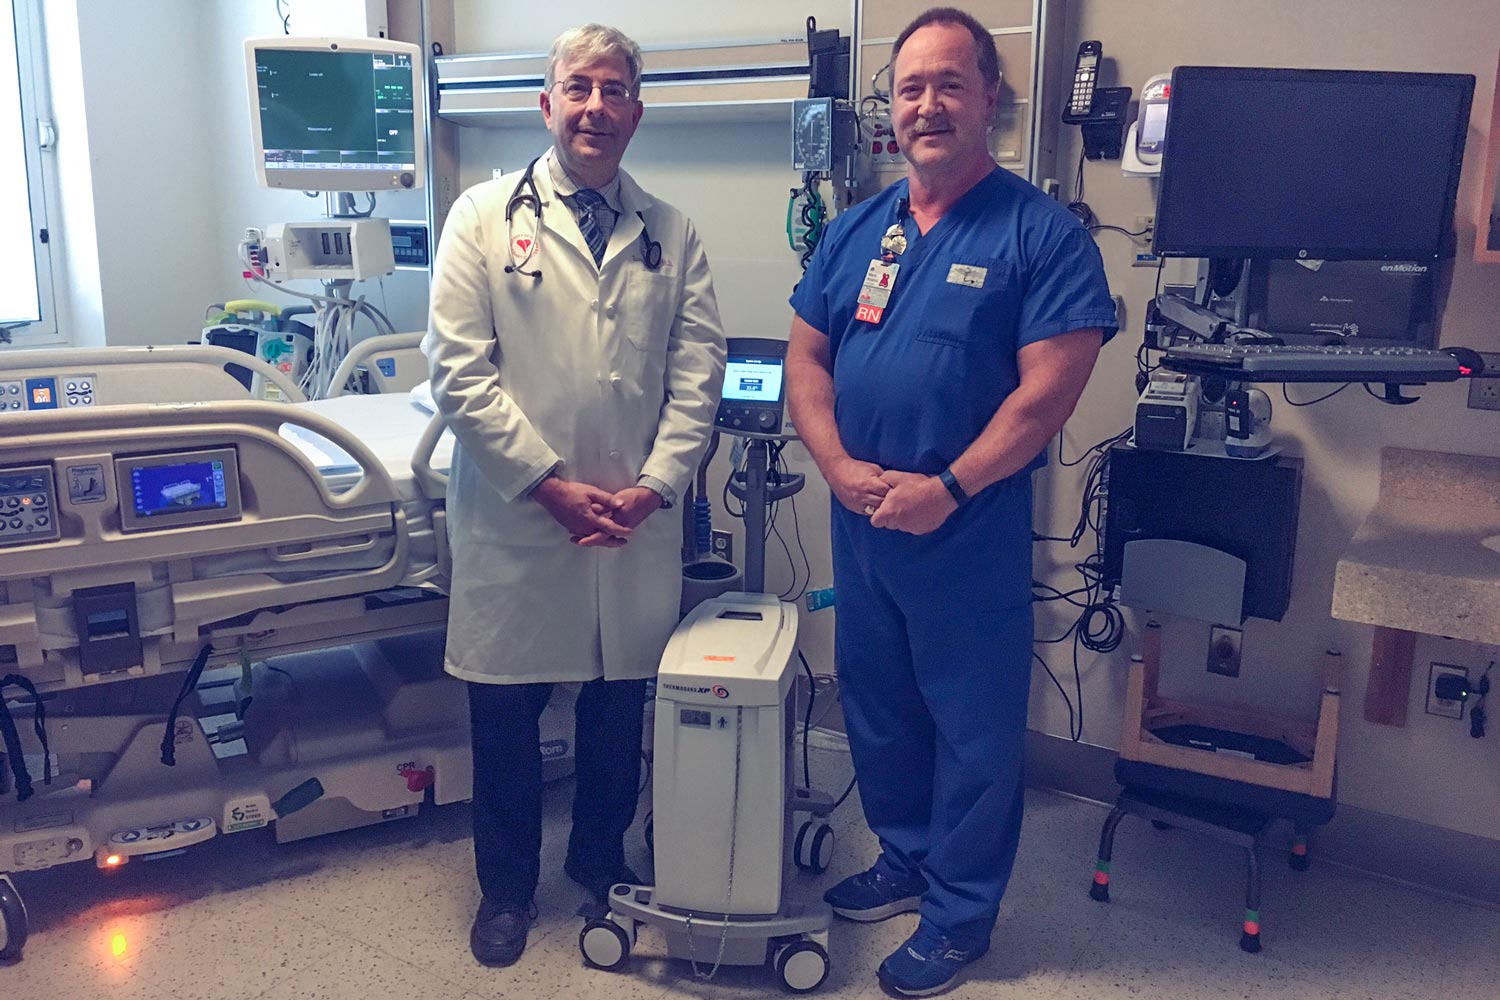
(1446, 707)
(1484, 391)
(1224, 650)
(1145, 225)
(722, 543)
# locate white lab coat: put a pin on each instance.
(614, 370)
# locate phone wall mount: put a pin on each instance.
(1104, 125)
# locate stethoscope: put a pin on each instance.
(525, 195)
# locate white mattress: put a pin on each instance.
(390, 425)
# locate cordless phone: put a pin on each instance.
(1099, 110)
(1085, 75)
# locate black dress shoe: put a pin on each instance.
(499, 936)
(598, 885)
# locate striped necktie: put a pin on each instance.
(595, 220)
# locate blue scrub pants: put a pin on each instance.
(934, 663)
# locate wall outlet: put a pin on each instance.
(1484, 391)
(1224, 650)
(1448, 708)
(722, 544)
(1146, 226)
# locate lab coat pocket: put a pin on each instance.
(650, 309)
(977, 297)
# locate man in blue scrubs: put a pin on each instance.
(944, 331)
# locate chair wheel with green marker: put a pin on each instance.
(1099, 890)
(1250, 935)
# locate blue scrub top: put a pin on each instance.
(915, 391)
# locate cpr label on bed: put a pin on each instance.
(250, 813)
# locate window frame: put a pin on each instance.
(38, 138)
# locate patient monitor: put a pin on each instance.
(339, 115)
(336, 114)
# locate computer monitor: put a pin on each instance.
(337, 114)
(1369, 303)
(1311, 164)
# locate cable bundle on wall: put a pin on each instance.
(1100, 625)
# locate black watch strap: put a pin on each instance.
(947, 478)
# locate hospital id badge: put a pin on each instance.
(880, 280)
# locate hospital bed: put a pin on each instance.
(221, 613)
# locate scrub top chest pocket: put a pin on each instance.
(650, 309)
(962, 300)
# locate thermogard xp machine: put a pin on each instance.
(723, 804)
(724, 795)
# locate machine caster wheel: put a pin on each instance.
(802, 966)
(13, 925)
(813, 849)
(1250, 943)
(1099, 893)
(648, 831)
(605, 944)
(1298, 862)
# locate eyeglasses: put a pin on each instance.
(578, 90)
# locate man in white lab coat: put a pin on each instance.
(577, 354)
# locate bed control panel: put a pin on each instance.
(46, 392)
(28, 506)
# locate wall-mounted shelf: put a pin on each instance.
(682, 84)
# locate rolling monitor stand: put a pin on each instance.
(755, 488)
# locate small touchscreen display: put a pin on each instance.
(755, 380)
(159, 489)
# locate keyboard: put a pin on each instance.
(1277, 363)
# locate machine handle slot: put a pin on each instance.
(108, 624)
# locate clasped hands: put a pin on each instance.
(594, 517)
(900, 501)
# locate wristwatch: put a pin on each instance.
(947, 478)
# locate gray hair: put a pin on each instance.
(595, 41)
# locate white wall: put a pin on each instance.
(511, 26)
(1430, 770)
